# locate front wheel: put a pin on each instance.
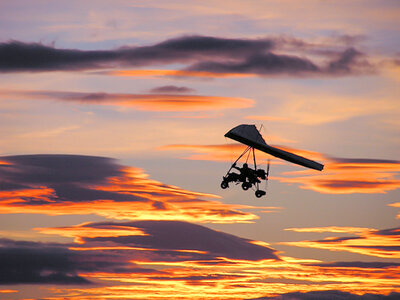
(224, 184)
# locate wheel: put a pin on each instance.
(224, 184)
(246, 186)
(260, 193)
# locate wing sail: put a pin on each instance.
(250, 136)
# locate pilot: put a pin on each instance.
(246, 173)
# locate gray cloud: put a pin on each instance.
(70, 176)
(37, 263)
(169, 236)
(23, 262)
(261, 64)
(19, 56)
(77, 184)
(199, 53)
(171, 89)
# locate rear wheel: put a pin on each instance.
(224, 184)
(260, 193)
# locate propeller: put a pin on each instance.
(266, 175)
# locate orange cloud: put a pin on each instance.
(239, 281)
(371, 242)
(340, 175)
(397, 204)
(174, 73)
(146, 102)
(226, 152)
(339, 229)
(212, 270)
(8, 291)
(68, 184)
(80, 231)
(346, 176)
(266, 118)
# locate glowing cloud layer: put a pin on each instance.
(72, 184)
(162, 259)
(379, 243)
(340, 175)
(147, 102)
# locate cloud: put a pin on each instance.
(146, 102)
(38, 263)
(347, 61)
(322, 108)
(349, 175)
(218, 152)
(171, 89)
(195, 261)
(161, 238)
(74, 184)
(261, 64)
(19, 56)
(358, 264)
(379, 243)
(331, 295)
(26, 262)
(172, 73)
(397, 204)
(199, 53)
(340, 175)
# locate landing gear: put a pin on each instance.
(248, 177)
(260, 193)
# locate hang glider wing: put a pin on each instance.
(250, 136)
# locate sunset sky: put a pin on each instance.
(112, 149)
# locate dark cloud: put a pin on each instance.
(199, 53)
(390, 231)
(378, 243)
(261, 64)
(75, 193)
(37, 263)
(19, 56)
(171, 89)
(69, 176)
(23, 262)
(167, 236)
(331, 295)
(58, 169)
(347, 61)
(77, 184)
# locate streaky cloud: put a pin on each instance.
(371, 242)
(199, 53)
(340, 175)
(38, 263)
(331, 295)
(167, 102)
(163, 237)
(77, 184)
(171, 89)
